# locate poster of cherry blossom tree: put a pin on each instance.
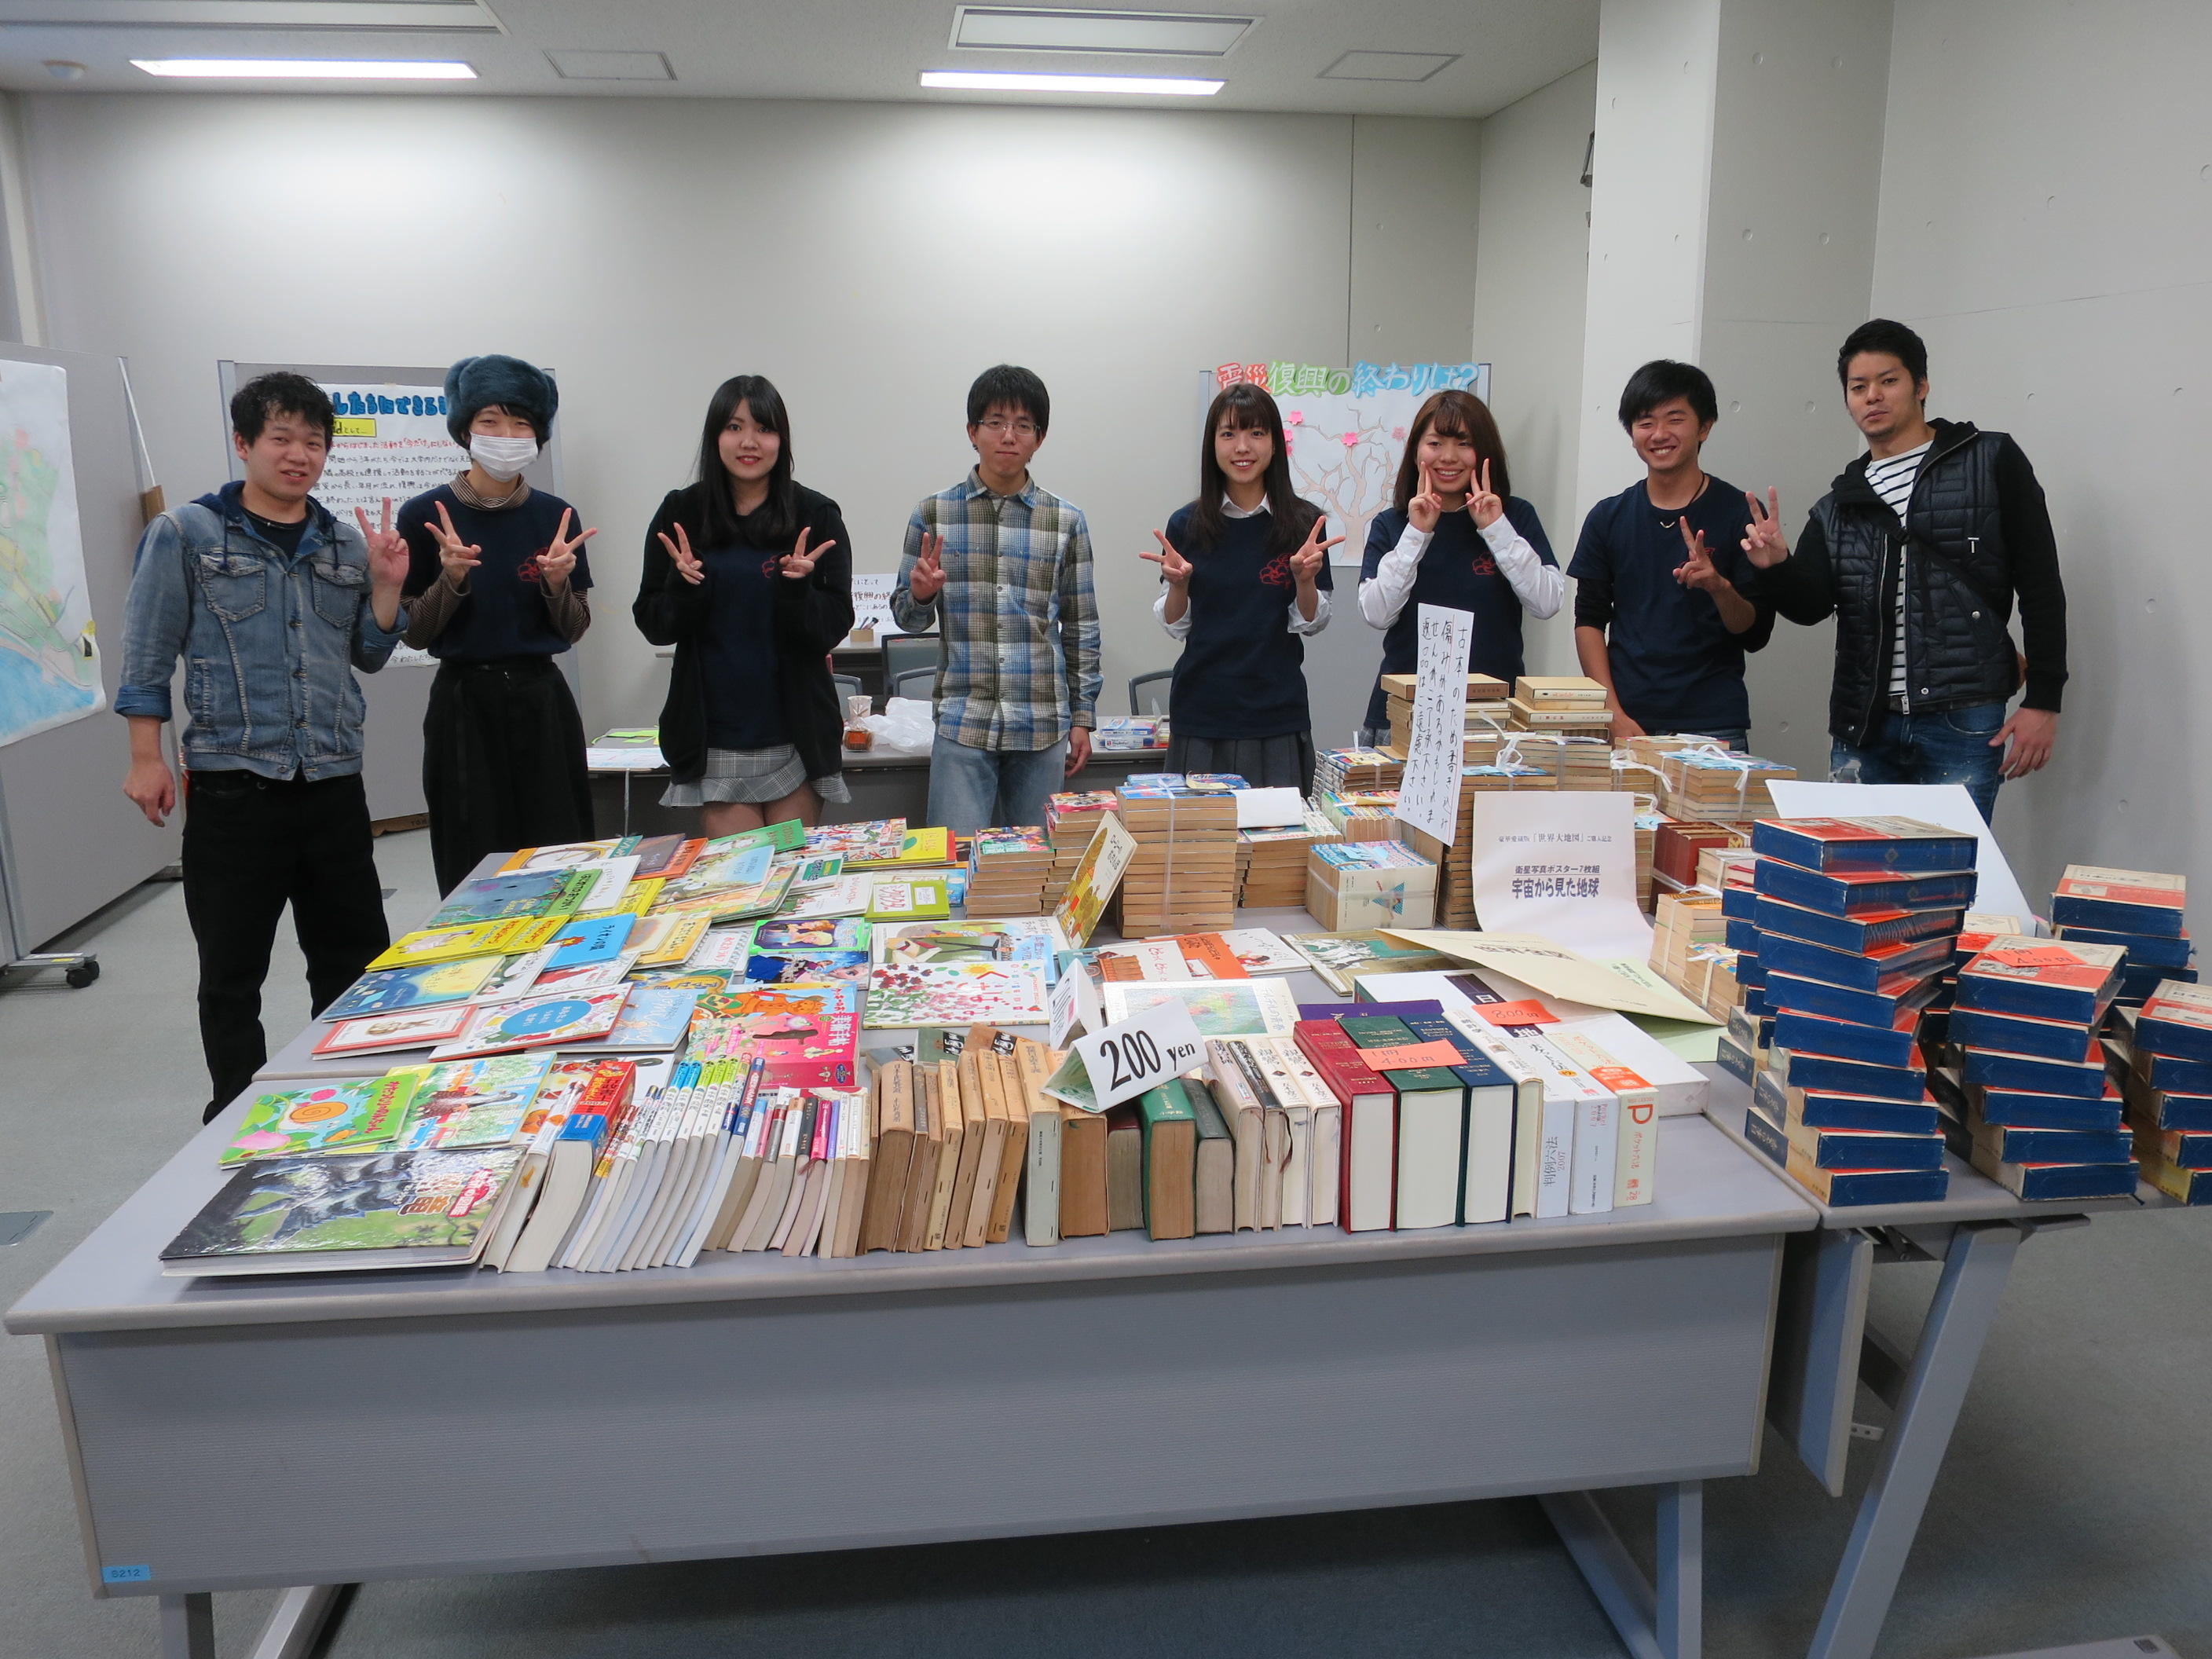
(1346, 428)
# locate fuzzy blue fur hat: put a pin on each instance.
(520, 388)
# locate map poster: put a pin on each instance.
(49, 661)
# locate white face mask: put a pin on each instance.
(501, 457)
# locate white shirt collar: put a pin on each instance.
(1230, 510)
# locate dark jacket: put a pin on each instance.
(811, 618)
(1979, 534)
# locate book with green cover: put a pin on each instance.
(475, 1102)
(387, 1209)
(352, 1115)
(1214, 1208)
(1171, 1129)
(1376, 1030)
(920, 898)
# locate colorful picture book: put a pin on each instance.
(1015, 938)
(539, 1022)
(848, 895)
(525, 894)
(393, 1209)
(474, 1102)
(376, 1034)
(810, 1035)
(653, 1018)
(812, 933)
(902, 994)
(567, 855)
(422, 986)
(804, 965)
(1338, 957)
(578, 944)
(1220, 1008)
(479, 939)
(352, 1115)
(920, 898)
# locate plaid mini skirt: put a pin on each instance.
(750, 776)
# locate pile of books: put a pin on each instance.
(1698, 783)
(1270, 863)
(1359, 814)
(1852, 931)
(1070, 821)
(1183, 877)
(1676, 846)
(1336, 770)
(2044, 1119)
(1486, 707)
(1585, 763)
(1682, 924)
(1566, 704)
(2165, 1067)
(1008, 870)
(2140, 911)
(1376, 884)
(1648, 821)
(1120, 733)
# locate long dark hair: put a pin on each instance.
(1455, 414)
(778, 518)
(1245, 406)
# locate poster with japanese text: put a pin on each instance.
(1562, 864)
(1428, 796)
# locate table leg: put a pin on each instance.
(1951, 1338)
(188, 1626)
(1664, 1624)
(296, 1623)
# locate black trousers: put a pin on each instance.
(254, 845)
(502, 762)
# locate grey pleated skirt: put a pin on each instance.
(750, 776)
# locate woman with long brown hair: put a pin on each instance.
(1244, 579)
(1457, 537)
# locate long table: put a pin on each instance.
(313, 1433)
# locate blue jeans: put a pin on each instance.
(971, 788)
(1944, 746)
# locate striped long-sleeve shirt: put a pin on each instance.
(1019, 620)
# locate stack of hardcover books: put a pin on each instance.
(2043, 1116)
(1851, 934)
(2165, 1055)
(2139, 910)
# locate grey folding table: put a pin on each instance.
(1825, 1347)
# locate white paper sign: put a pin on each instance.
(1269, 809)
(1063, 1012)
(1563, 865)
(1146, 1049)
(1428, 798)
(871, 609)
(1945, 804)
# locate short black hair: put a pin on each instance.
(1660, 381)
(1014, 388)
(266, 397)
(1889, 338)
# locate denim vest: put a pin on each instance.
(269, 643)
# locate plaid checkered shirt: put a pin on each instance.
(1019, 619)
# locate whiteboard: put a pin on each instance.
(390, 441)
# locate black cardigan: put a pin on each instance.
(811, 618)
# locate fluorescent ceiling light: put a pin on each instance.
(1168, 34)
(410, 15)
(303, 69)
(1143, 85)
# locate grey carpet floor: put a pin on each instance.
(2076, 1503)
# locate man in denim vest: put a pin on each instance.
(272, 603)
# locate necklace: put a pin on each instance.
(1704, 480)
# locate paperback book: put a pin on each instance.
(426, 986)
(354, 1114)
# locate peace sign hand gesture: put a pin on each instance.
(1425, 508)
(1306, 562)
(559, 559)
(387, 548)
(1698, 570)
(1172, 564)
(1483, 502)
(926, 579)
(456, 557)
(1764, 544)
(680, 555)
(798, 563)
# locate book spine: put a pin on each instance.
(1597, 1155)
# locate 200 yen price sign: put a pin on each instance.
(1148, 1048)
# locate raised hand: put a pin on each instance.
(1764, 544)
(1483, 502)
(798, 563)
(558, 560)
(1172, 564)
(456, 556)
(1698, 570)
(1306, 563)
(928, 578)
(680, 555)
(1425, 508)
(387, 548)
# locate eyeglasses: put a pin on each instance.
(997, 428)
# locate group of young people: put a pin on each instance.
(271, 602)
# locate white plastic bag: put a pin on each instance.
(907, 726)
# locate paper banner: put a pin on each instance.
(1556, 971)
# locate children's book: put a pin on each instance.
(1338, 957)
(589, 977)
(810, 1035)
(1259, 951)
(389, 1209)
(376, 1034)
(804, 965)
(539, 1022)
(654, 1018)
(500, 898)
(351, 1115)
(667, 941)
(812, 933)
(474, 1102)
(600, 939)
(667, 855)
(726, 904)
(920, 898)
(875, 843)
(1013, 939)
(423, 986)
(512, 976)
(816, 869)
(477, 938)
(848, 895)
(564, 855)
(902, 994)
(1233, 1007)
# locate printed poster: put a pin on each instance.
(1563, 865)
(49, 659)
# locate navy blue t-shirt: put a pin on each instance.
(503, 613)
(737, 651)
(1456, 570)
(1241, 673)
(1676, 667)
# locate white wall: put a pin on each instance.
(1532, 269)
(870, 259)
(2047, 223)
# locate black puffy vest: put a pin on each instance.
(1957, 649)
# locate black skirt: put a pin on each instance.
(1279, 762)
(502, 762)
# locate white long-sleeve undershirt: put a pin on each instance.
(1541, 587)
